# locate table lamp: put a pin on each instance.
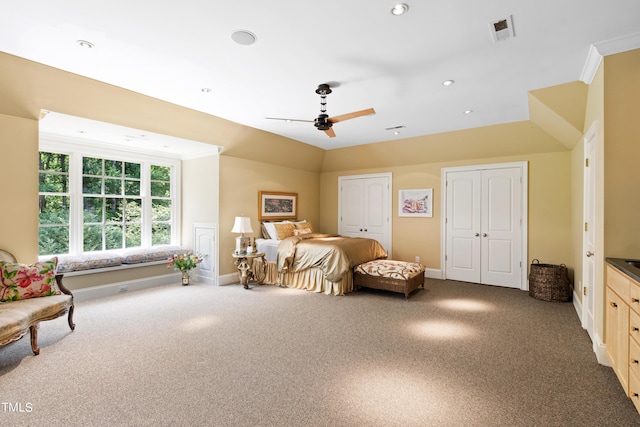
(242, 225)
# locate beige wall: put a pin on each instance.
(200, 187)
(509, 139)
(240, 182)
(19, 176)
(621, 154)
(84, 281)
(549, 206)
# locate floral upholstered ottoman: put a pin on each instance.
(389, 275)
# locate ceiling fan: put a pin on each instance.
(323, 121)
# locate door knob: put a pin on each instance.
(477, 234)
(589, 254)
(484, 234)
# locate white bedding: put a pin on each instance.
(269, 247)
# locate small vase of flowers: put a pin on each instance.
(185, 263)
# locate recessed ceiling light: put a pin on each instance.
(243, 37)
(448, 82)
(85, 44)
(468, 111)
(399, 9)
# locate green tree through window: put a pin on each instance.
(112, 197)
(53, 204)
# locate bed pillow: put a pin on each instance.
(306, 225)
(301, 231)
(270, 228)
(284, 230)
(21, 281)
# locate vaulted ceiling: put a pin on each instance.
(248, 60)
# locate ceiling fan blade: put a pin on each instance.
(330, 132)
(353, 115)
(289, 120)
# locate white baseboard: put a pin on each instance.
(204, 278)
(228, 279)
(433, 273)
(102, 291)
(600, 349)
(577, 305)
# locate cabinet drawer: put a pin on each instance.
(634, 296)
(634, 325)
(618, 282)
(634, 357)
(634, 390)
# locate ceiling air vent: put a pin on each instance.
(502, 29)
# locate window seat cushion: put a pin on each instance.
(69, 263)
(156, 253)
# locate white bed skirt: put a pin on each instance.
(311, 279)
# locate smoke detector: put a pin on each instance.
(502, 29)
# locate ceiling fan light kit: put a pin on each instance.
(323, 122)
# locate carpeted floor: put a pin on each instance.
(456, 354)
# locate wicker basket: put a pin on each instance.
(549, 282)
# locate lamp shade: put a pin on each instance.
(242, 225)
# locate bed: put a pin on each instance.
(298, 257)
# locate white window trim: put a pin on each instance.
(77, 149)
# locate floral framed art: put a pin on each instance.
(277, 205)
(415, 202)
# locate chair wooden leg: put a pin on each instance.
(71, 324)
(33, 329)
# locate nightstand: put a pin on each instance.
(244, 262)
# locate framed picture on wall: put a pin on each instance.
(277, 205)
(416, 203)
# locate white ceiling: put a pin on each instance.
(172, 49)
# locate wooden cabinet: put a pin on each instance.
(623, 331)
(618, 336)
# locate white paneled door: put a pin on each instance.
(590, 224)
(484, 226)
(365, 208)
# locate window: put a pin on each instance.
(112, 204)
(92, 203)
(53, 204)
(160, 204)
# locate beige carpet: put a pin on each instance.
(456, 354)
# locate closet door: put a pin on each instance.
(484, 226)
(463, 226)
(353, 207)
(365, 207)
(501, 228)
(376, 219)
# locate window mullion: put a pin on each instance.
(145, 190)
(76, 205)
